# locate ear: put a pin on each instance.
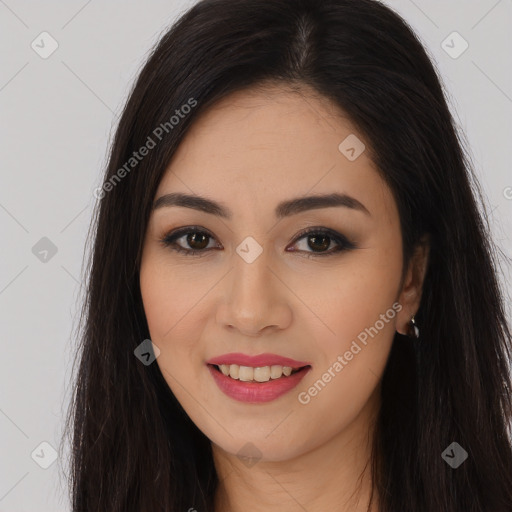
(410, 294)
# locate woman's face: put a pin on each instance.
(257, 285)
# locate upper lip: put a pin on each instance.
(256, 361)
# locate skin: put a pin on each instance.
(249, 152)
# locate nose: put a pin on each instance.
(256, 300)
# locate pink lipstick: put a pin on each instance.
(257, 392)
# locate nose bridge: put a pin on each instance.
(251, 276)
(254, 302)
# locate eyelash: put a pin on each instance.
(344, 244)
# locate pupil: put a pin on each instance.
(315, 239)
(193, 238)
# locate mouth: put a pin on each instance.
(256, 374)
(256, 384)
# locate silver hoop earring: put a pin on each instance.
(413, 331)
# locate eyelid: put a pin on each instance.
(344, 244)
(169, 239)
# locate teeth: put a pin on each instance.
(245, 373)
(259, 374)
(262, 374)
(233, 370)
(276, 371)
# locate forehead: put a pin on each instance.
(269, 145)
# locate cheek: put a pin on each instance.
(354, 295)
(167, 307)
(359, 311)
(168, 294)
(156, 297)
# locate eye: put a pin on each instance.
(319, 239)
(194, 236)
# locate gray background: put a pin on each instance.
(57, 118)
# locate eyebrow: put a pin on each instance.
(283, 209)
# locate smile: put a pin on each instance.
(256, 384)
(258, 374)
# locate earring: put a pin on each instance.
(413, 331)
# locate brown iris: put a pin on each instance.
(320, 242)
(199, 238)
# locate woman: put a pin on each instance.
(293, 301)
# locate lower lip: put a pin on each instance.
(256, 392)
